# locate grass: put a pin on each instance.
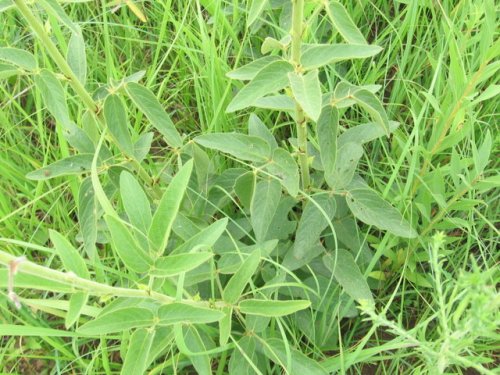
(436, 299)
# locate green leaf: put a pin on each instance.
(314, 220)
(371, 209)
(5, 4)
(167, 210)
(241, 146)
(127, 247)
(53, 95)
(249, 71)
(347, 273)
(342, 97)
(117, 122)
(145, 100)
(142, 146)
(139, 346)
(205, 238)
(373, 106)
(244, 188)
(276, 102)
(174, 313)
(118, 321)
(77, 302)
(18, 57)
(365, 133)
(257, 128)
(33, 331)
(264, 204)
(284, 166)
(327, 138)
(236, 285)
(7, 70)
(76, 164)
(70, 257)
(87, 216)
(318, 55)
(172, 265)
(255, 11)
(271, 308)
(348, 156)
(76, 56)
(135, 202)
(293, 361)
(225, 325)
(239, 364)
(344, 24)
(307, 91)
(55, 9)
(272, 78)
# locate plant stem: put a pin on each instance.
(54, 53)
(80, 90)
(297, 18)
(89, 286)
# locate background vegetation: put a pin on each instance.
(436, 300)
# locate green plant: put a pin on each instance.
(209, 272)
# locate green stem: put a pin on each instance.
(80, 90)
(92, 287)
(54, 53)
(297, 19)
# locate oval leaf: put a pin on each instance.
(236, 285)
(135, 202)
(183, 313)
(172, 265)
(241, 146)
(118, 321)
(117, 122)
(272, 308)
(307, 91)
(318, 55)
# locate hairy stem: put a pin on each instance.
(297, 19)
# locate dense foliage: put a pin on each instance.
(187, 194)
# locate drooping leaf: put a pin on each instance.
(127, 247)
(145, 100)
(294, 361)
(53, 95)
(76, 164)
(139, 346)
(142, 146)
(167, 210)
(327, 138)
(264, 203)
(347, 273)
(117, 122)
(306, 89)
(372, 105)
(343, 23)
(271, 78)
(174, 313)
(241, 146)
(244, 188)
(315, 219)
(284, 166)
(348, 155)
(118, 321)
(318, 55)
(18, 57)
(371, 209)
(272, 308)
(255, 11)
(257, 128)
(342, 97)
(236, 285)
(249, 71)
(365, 133)
(77, 57)
(135, 202)
(173, 265)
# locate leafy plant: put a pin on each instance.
(246, 264)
